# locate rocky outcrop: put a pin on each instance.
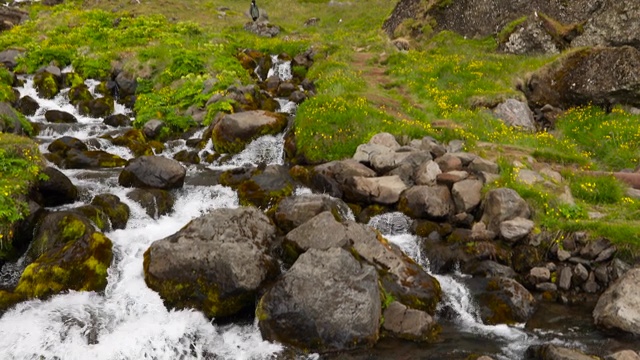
(327, 301)
(154, 172)
(216, 263)
(600, 76)
(618, 308)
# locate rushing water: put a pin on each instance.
(129, 320)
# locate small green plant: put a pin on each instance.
(597, 189)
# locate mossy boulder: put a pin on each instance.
(10, 121)
(217, 263)
(261, 187)
(66, 254)
(117, 211)
(234, 131)
(95, 214)
(47, 84)
(87, 159)
(504, 301)
(79, 93)
(134, 140)
(97, 108)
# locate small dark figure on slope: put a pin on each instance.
(253, 10)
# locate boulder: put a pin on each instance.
(467, 194)
(234, 131)
(382, 190)
(10, 120)
(216, 263)
(611, 26)
(262, 28)
(67, 254)
(79, 93)
(97, 108)
(262, 187)
(127, 84)
(427, 172)
(517, 114)
(406, 323)
(623, 355)
(27, 105)
(294, 211)
(600, 76)
(85, 159)
(429, 202)
(153, 128)
(47, 84)
(154, 172)
(117, 120)
(516, 229)
(503, 204)
(529, 37)
(618, 308)
(327, 301)
(9, 57)
(57, 116)
(95, 214)
(322, 232)
(63, 144)
(57, 189)
(365, 152)
(505, 301)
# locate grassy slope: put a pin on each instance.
(364, 86)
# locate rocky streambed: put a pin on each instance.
(394, 251)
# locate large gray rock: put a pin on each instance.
(467, 194)
(382, 189)
(623, 355)
(217, 263)
(427, 172)
(294, 211)
(322, 232)
(601, 76)
(618, 308)
(406, 323)
(430, 202)
(515, 113)
(615, 24)
(327, 301)
(503, 204)
(154, 172)
(516, 229)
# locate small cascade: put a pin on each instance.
(457, 298)
(281, 68)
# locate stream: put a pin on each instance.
(130, 321)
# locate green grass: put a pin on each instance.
(20, 164)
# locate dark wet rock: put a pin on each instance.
(505, 301)
(66, 143)
(27, 105)
(57, 189)
(410, 324)
(297, 97)
(217, 263)
(307, 309)
(117, 211)
(154, 172)
(294, 211)
(97, 108)
(234, 131)
(594, 248)
(155, 202)
(187, 156)
(600, 76)
(79, 93)
(515, 113)
(618, 308)
(68, 255)
(88, 159)
(58, 116)
(555, 352)
(503, 204)
(489, 268)
(429, 202)
(525, 257)
(153, 128)
(117, 120)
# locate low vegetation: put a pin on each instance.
(185, 51)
